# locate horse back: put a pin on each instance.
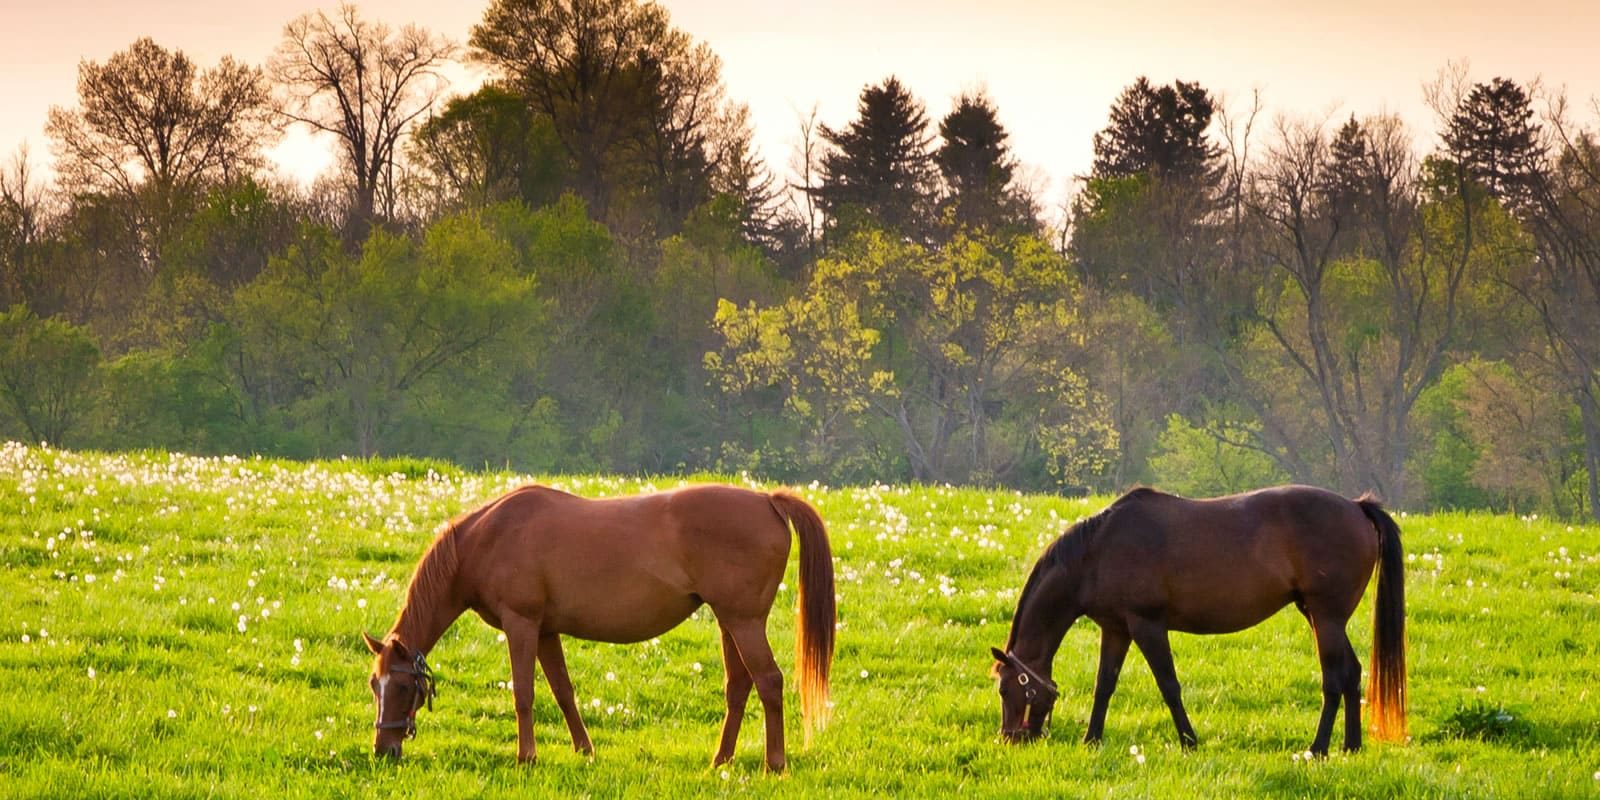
(1226, 563)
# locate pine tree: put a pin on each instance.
(1160, 129)
(979, 170)
(1493, 137)
(879, 170)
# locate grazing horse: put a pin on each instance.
(1152, 563)
(538, 563)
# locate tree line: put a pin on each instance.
(583, 264)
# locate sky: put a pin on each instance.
(1053, 69)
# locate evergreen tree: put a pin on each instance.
(1160, 129)
(879, 170)
(979, 170)
(1493, 137)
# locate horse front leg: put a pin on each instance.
(522, 638)
(736, 688)
(1151, 636)
(1113, 651)
(554, 664)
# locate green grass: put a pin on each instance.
(179, 627)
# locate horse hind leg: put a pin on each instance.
(736, 687)
(1341, 680)
(750, 636)
(554, 663)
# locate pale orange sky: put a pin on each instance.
(1053, 69)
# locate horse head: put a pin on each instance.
(1026, 698)
(401, 684)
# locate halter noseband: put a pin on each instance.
(426, 689)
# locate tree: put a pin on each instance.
(47, 373)
(486, 148)
(153, 131)
(23, 217)
(878, 171)
(1371, 262)
(635, 102)
(1159, 130)
(361, 333)
(1492, 136)
(364, 84)
(979, 170)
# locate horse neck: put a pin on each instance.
(432, 601)
(1048, 614)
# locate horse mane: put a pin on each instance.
(1068, 549)
(435, 570)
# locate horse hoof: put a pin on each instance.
(777, 766)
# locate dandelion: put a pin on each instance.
(696, 666)
(91, 673)
(317, 734)
(724, 774)
(172, 713)
(611, 676)
(863, 674)
(26, 638)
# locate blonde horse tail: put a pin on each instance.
(1386, 684)
(815, 601)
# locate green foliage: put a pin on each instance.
(48, 370)
(1216, 459)
(1481, 720)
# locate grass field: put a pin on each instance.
(188, 627)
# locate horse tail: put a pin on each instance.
(1386, 684)
(815, 604)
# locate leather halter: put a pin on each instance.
(1026, 677)
(427, 687)
(1033, 684)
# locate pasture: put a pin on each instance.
(190, 627)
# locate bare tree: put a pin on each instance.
(153, 130)
(365, 84)
(22, 219)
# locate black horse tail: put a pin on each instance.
(1386, 684)
(815, 599)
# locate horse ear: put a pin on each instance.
(372, 644)
(1000, 655)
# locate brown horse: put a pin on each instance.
(1152, 563)
(538, 563)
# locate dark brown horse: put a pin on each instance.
(538, 563)
(1152, 563)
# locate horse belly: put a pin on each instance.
(620, 616)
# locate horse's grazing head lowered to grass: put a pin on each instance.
(401, 683)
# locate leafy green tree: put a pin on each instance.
(489, 147)
(1216, 459)
(48, 370)
(361, 332)
(878, 171)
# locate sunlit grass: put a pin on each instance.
(183, 626)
